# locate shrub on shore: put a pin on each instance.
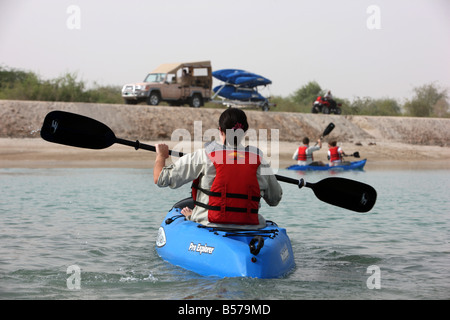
(21, 85)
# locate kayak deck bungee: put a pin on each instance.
(355, 165)
(224, 252)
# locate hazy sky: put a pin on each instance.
(356, 48)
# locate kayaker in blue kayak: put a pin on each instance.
(227, 178)
(335, 154)
(304, 153)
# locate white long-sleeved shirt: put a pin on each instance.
(309, 151)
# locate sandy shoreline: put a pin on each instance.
(37, 153)
(386, 142)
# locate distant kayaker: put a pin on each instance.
(335, 153)
(304, 153)
(227, 178)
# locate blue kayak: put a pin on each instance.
(224, 252)
(355, 165)
(237, 93)
(240, 85)
(241, 78)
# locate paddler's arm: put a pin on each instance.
(269, 185)
(295, 155)
(184, 170)
(162, 153)
(273, 193)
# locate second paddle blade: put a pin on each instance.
(76, 130)
(328, 129)
(345, 193)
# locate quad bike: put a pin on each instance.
(326, 106)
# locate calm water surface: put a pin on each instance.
(105, 222)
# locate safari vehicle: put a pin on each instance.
(175, 83)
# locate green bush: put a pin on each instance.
(21, 85)
(307, 94)
(428, 100)
(288, 105)
(374, 107)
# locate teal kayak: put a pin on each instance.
(355, 165)
(224, 252)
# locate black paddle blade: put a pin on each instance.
(77, 131)
(328, 129)
(345, 193)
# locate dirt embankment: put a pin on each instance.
(376, 138)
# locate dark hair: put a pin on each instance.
(333, 143)
(305, 140)
(233, 119)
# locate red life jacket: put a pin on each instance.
(302, 154)
(235, 194)
(334, 154)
